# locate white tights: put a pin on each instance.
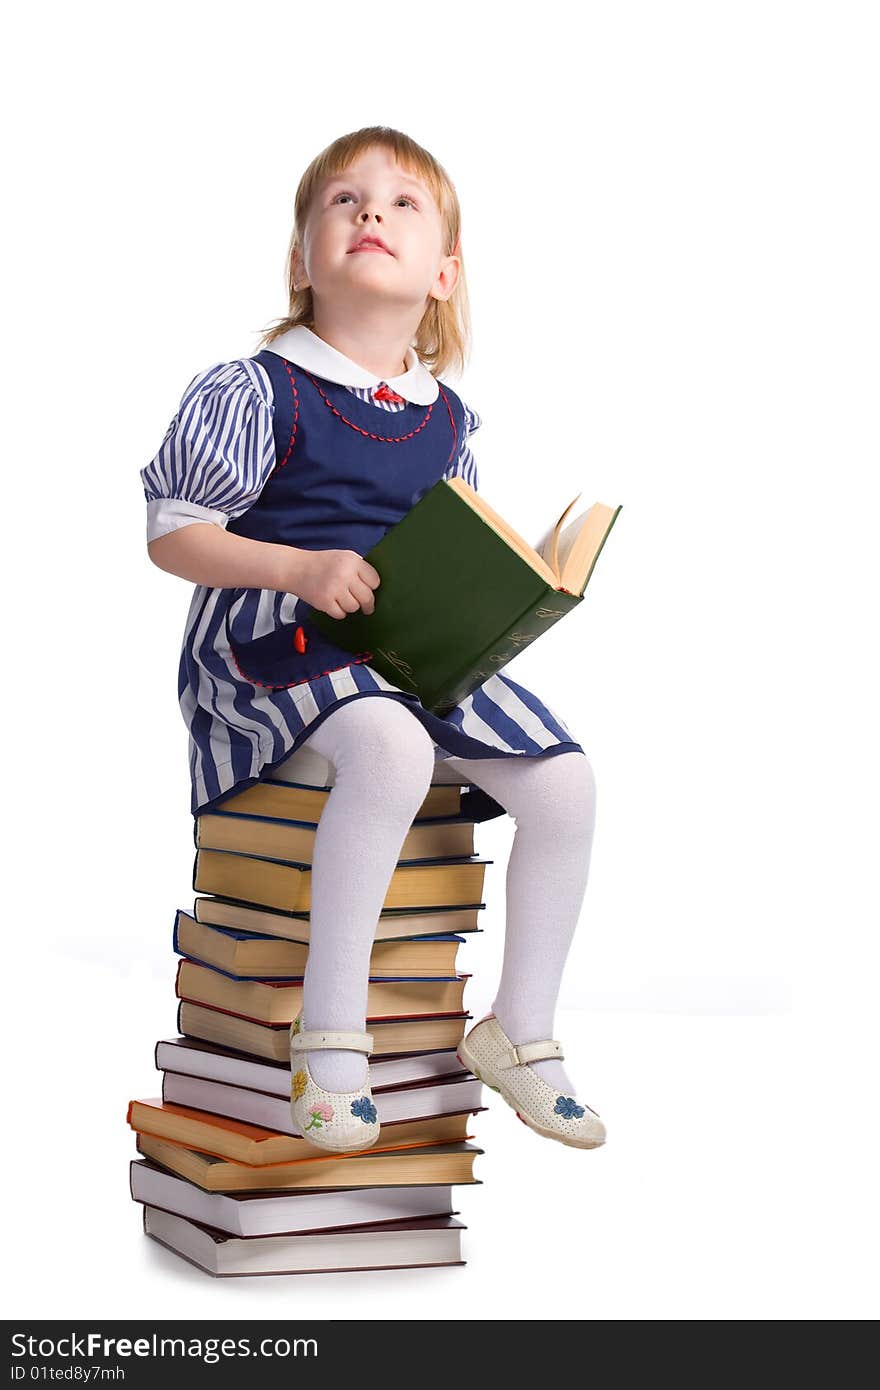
(385, 762)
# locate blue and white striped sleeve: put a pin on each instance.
(217, 453)
(464, 466)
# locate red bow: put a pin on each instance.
(384, 393)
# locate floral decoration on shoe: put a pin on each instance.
(298, 1084)
(321, 1114)
(364, 1109)
(568, 1108)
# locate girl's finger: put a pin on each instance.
(363, 595)
(349, 601)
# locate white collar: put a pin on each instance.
(306, 349)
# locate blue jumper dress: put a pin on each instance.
(344, 473)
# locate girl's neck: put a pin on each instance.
(370, 341)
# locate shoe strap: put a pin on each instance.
(533, 1052)
(312, 1039)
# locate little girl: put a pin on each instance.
(278, 473)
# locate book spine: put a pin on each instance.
(537, 619)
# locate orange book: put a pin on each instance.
(451, 1161)
(255, 1147)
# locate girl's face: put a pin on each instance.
(375, 198)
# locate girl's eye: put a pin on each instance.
(403, 198)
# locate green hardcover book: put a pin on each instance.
(462, 593)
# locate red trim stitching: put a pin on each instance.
(282, 462)
(267, 685)
(382, 438)
(452, 422)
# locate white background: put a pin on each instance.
(670, 230)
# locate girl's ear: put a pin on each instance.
(447, 278)
(299, 278)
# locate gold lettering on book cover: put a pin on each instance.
(400, 665)
(521, 638)
(549, 612)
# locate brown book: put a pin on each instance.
(393, 925)
(448, 1162)
(272, 1041)
(240, 953)
(279, 1001)
(293, 842)
(254, 1146)
(270, 883)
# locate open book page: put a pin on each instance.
(556, 543)
(567, 539)
(580, 545)
(572, 550)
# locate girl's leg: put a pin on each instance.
(384, 759)
(553, 800)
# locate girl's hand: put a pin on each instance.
(336, 582)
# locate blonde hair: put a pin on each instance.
(443, 337)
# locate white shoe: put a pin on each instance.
(342, 1121)
(488, 1052)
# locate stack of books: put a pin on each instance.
(225, 1179)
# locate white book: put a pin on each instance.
(273, 1112)
(285, 1213)
(417, 1244)
(192, 1057)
